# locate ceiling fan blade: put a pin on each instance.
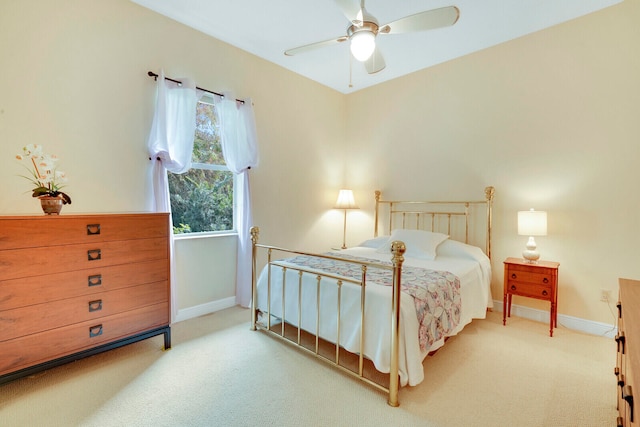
(314, 46)
(375, 63)
(428, 20)
(349, 8)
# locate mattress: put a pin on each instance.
(467, 263)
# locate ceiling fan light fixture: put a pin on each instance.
(363, 43)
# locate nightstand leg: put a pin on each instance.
(552, 319)
(504, 309)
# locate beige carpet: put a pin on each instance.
(219, 373)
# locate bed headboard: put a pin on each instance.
(466, 220)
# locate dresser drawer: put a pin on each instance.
(41, 317)
(48, 345)
(40, 289)
(530, 290)
(31, 232)
(30, 262)
(529, 277)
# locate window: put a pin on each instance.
(202, 198)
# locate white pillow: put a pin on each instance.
(420, 243)
(375, 242)
(455, 249)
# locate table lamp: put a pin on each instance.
(532, 223)
(345, 201)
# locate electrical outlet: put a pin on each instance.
(604, 295)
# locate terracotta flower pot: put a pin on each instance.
(51, 205)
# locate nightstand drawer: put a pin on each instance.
(530, 290)
(528, 277)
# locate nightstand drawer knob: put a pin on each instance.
(545, 293)
(545, 280)
(514, 276)
(513, 287)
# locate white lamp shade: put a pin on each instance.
(532, 223)
(363, 43)
(346, 200)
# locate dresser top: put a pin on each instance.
(520, 261)
(79, 215)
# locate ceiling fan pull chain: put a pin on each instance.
(350, 69)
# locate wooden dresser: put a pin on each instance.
(76, 285)
(627, 368)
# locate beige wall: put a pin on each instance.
(73, 78)
(549, 119)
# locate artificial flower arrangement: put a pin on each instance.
(44, 175)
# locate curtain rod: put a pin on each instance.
(155, 77)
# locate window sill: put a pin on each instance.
(191, 236)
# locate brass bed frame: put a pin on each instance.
(400, 214)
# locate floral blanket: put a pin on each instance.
(436, 294)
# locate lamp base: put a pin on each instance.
(531, 255)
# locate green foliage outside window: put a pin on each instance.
(202, 198)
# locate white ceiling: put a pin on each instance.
(268, 28)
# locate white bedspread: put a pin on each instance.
(468, 263)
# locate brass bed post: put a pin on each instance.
(255, 231)
(375, 217)
(489, 192)
(398, 249)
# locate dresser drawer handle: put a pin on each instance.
(95, 305)
(545, 280)
(514, 276)
(620, 339)
(94, 254)
(619, 305)
(627, 394)
(93, 229)
(95, 331)
(513, 287)
(545, 293)
(95, 280)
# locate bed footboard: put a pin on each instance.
(397, 249)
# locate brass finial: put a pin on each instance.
(255, 231)
(488, 192)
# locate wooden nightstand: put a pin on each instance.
(538, 281)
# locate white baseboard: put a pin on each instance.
(202, 309)
(569, 322)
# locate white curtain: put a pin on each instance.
(170, 147)
(240, 151)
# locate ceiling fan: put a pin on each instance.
(364, 29)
